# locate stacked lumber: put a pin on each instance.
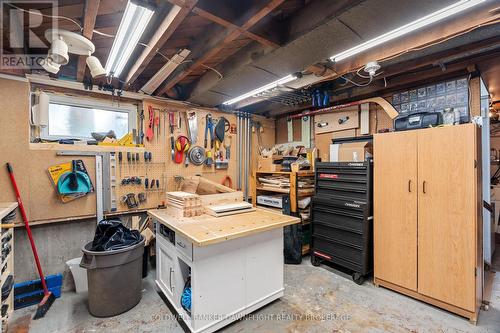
(229, 209)
(184, 204)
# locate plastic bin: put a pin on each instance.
(79, 275)
(114, 279)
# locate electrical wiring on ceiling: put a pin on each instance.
(108, 35)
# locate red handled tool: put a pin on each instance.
(48, 297)
(150, 131)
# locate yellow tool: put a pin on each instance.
(126, 141)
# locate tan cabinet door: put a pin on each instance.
(446, 214)
(395, 208)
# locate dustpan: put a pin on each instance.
(74, 181)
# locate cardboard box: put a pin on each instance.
(350, 151)
(270, 200)
(265, 163)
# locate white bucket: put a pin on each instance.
(79, 275)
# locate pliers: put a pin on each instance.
(209, 126)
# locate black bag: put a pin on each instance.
(113, 235)
(293, 244)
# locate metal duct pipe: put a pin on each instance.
(239, 147)
(247, 151)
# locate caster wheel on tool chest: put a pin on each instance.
(315, 261)
(358, 278)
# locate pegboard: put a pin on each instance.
(162, 166)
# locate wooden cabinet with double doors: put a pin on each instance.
(427, 216)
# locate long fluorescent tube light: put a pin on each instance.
(134, 22)
(268, 86)
(407, 28)
(165, 72)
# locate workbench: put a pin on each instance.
(235, 264)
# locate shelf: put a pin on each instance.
(84, 148)
(4, 276)
(271, 189)
(6, 208)
(303, 173)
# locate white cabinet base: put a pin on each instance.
(228, 279)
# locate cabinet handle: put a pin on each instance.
(423, 187)
(170, 278)
(409, 185)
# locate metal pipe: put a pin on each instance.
(247, 155)
(239, 147)
(326, 110)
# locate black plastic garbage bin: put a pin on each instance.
(114, 279)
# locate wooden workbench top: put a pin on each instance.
(6, 208)
(204, 230)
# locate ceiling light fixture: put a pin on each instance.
(268, 86)
(95, 67)
(434, 17)
(165, 72)
(50, 66)
(58, 51)
(65, 42)
(132, 26)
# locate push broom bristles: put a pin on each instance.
(44, 305)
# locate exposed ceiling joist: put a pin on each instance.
(216, 19)
(89, 17)
(171, 22)
(218, 43)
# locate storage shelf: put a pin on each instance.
(4, 277)
(271, 189)
(304, 173)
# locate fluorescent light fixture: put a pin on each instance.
(165, 72)
(437, 16)
(134, 22)
(268, 86)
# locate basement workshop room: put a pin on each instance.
(264, 166)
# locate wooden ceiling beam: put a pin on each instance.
(207, 50)
(89, 17)
(219, 20)
(171, 22)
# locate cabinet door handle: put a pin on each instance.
(423, 186)
(170, 278)
(409, 185)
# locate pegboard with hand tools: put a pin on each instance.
(157, 164)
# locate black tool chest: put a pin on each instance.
(342, 216)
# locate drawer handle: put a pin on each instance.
(181, 244)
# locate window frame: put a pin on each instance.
(88, 103)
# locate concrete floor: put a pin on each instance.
(320, 291)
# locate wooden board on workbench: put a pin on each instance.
(205, 229)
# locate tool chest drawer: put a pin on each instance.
(338, 217)
(344, 179)
(337, 250)
(341, 216)
(340, 236)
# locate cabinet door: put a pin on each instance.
(447, 214)
(395, 208)
(165, 268)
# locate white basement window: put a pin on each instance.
(76, 118)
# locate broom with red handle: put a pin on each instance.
(48, 297)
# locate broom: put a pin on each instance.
(48, 297)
